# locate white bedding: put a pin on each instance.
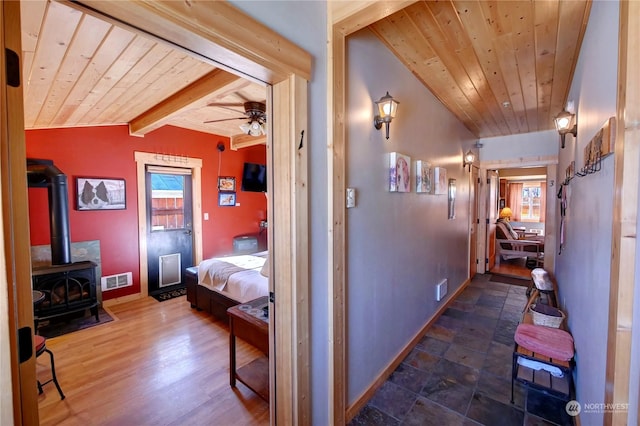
(241, 286)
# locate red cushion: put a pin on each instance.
(39, 342)
(547, 341)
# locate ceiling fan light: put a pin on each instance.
(253, 128)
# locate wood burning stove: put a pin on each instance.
(68, 287)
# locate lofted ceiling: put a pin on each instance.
(502, 67)
(82, 71)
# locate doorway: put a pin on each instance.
(169, 217)
(522, 194)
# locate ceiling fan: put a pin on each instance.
(255, 112)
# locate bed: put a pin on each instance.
(219, 283)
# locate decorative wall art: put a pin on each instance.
(226, 183)
(423, 177)
(452, 198)
(439, 180)
(399, 172)
(100, 194)
(227, 199)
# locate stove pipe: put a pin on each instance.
(41, 173)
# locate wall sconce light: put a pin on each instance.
(468, 159)
(564, 122)
(387, 107)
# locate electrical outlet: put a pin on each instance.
(351, 197)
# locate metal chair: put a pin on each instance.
(41, 347)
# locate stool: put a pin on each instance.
(41, 347)
(541, 284)
(543, 359)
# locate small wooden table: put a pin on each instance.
(248, 322)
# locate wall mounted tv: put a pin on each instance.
(254, 177)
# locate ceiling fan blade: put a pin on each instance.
(224, 119)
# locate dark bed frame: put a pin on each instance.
(203, 299)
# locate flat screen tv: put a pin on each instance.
(254, 177)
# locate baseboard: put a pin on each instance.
(362, 400)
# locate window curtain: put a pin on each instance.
(543, 200)
(515, 201)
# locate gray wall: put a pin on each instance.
(305, 23)
(400, 245)
(584, 267)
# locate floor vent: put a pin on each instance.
(111, 282)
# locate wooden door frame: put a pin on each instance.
(208, 30)
(144, 159)
(550, 229)
(15, 252)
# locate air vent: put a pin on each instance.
(111, 282)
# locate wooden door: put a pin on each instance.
(16, 307)
(473, 223)
(492, 217)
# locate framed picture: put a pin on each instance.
(226, 183)
(227, 199)
(100, 194)
(452, 198)
(439, 180)
(399, 172)
(423, 177)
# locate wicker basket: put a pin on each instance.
(546, 315)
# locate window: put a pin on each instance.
(531, 193)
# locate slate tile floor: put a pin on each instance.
(460, 372)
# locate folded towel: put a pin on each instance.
(536, 365)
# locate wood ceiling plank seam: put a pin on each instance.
(509, 67)
(123, 63)
(31, 20)
(466, 52)
(481, 38)
(191, 73)
(147, 87)
(85, 42)
(112, 46)
(546, 34)
(431, 29)
(525, 54)
(504, 51)
(58, 29)
(570, 34)
(125, 91)
(417, 55)
(172, 106)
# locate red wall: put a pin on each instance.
(109, 152)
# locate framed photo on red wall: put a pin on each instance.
(100, 194)
(226, 183)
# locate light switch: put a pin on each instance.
(206, 216)
(351, 197)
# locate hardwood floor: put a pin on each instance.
(157, 363)
(512, 268)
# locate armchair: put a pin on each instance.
(509, 246)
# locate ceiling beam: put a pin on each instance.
(194, 93)
(244, 141)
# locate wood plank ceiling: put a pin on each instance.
(502, 67)
(82, 71)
